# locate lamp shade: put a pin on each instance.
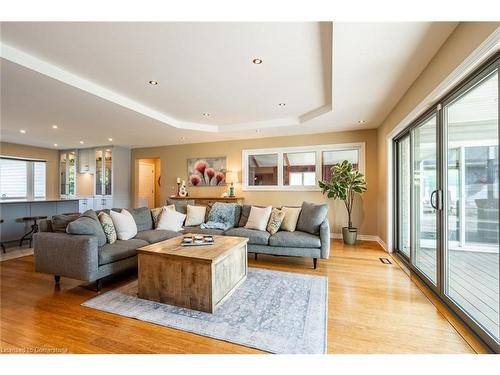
(232, 176)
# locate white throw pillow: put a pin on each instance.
(124, 223)
(195, 215)
(171, 220)
(258, 218)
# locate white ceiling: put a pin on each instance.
(91, 79)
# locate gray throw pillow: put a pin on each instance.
(142, 217)
(311, 217)
(86, 224)
(60, 222)
(180, 206)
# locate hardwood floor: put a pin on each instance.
(372, 308)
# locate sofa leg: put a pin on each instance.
(98, 285)
(255, 256)
(315, 262)
(57, 279)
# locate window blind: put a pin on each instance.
(13, 178)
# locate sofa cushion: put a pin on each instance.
(294, 239)
(244, 213)
(156, 213)
(195, 215)
(257, 237)
(311, 217)
(171, 220)
(59, 223)
(258, 218)
(198, 230)
(88, 226)
(275, 220)
(289, 222)
(156, 235)
(108, 227)
(142, 217)
(110, 253)
(180, 206)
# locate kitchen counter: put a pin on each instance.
(12, 212)
(37, 200)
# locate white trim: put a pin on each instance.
(485, 50)
(318, 149)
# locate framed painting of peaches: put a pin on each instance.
(207, 171)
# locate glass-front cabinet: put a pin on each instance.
(67, 173)
(103, 171)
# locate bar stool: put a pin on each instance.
(1, 243)
(34, 228)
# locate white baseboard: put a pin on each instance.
(364, 237)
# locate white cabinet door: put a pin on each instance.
(108, 203)
(86, 161)
(83, 205)
(99, 203)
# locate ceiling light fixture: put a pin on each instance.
(22, 131)
(257, 61)
(110, 139)
(361, 121)
(282, 104)
(82, 142)
(54, 126)
(206, 114)
(257, 130)
(182, 138)
(153, 83)
(55, 144)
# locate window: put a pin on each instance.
(296, 168)
(22, 179)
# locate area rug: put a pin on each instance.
(277, 312)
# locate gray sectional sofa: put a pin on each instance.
(86, 257)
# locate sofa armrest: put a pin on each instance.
(68, 255)
(324, 236)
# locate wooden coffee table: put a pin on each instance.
(197, 277)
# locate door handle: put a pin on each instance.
(437, 204)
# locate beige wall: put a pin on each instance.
(49, 155)
(174, 164)
(461, 43)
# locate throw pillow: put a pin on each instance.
(311, 217)
(156, 213)
(258, 218)
(124, 224)
(60, 222)
(88, 226)
(245, 211)
(195, 215)
(142, 218)
(291, 217)
(275, 220)
(108, 227)
(180, 205)
(171, 220)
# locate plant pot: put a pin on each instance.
(349, 235)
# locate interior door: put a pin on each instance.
(146, 196)
(426, 197)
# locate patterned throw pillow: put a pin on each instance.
(275, 220)
(156, 213)
(108, 227)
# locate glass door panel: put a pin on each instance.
(404, 196)
(99, 171)
(425, 198)
(107, 171)
(472, 254)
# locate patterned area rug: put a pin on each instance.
(278, 312)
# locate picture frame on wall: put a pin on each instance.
(207, 171)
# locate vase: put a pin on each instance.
(349, 235)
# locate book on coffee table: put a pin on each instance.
(197, 240)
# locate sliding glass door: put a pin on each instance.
(472, 263)
(447, 200)
(425, 194)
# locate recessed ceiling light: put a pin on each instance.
(54, 126)
(82, 142)
(257, 130)
(282, 104)
(182, 138)
(22, 131)
(257, 61)
(153, 83)
(55, 144)
(206, 114)
(110, 139)
(361, 121)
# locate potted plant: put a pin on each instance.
(344, 184)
